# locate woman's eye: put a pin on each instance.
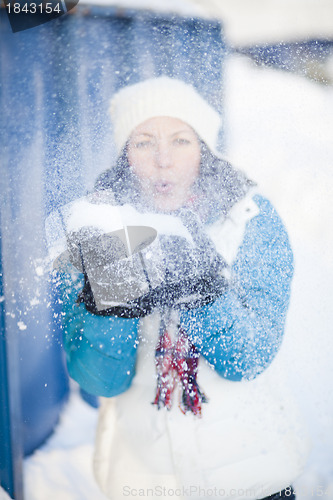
(142, 144)
(181, 140)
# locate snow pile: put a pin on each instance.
(62, 468)
(96, 213)
(280, 132)
(4, 495)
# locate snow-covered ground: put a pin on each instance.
(280, 131)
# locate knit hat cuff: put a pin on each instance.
(163, 96)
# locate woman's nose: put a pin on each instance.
(163, 156)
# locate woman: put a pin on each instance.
(199, 346)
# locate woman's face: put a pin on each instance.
(164, 154)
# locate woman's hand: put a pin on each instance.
(193, 272)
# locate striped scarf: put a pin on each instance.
(177, 365)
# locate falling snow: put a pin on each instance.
(280, 132)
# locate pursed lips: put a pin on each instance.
(163, 187)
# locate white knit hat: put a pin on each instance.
(162, 96)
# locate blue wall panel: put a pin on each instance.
(10, 406)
